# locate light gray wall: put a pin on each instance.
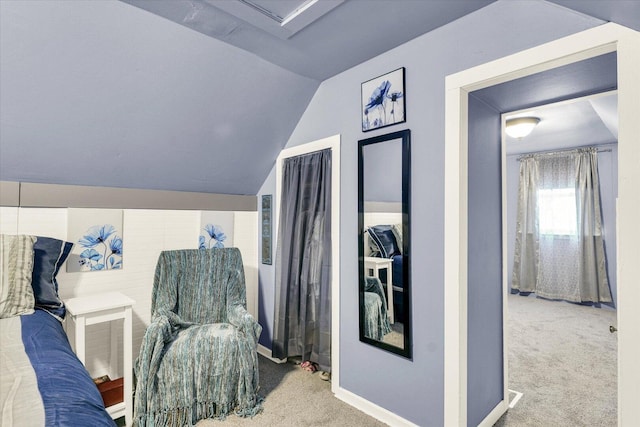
(414, 388)
(484, 321)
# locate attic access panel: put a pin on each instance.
(281, 18)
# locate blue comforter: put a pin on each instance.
(68, 396)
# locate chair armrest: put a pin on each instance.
(239, 317)
(163, 328)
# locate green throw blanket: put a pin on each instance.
(376, 318)
(198, 357)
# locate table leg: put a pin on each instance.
(128, 366)
(80, 326)
(390, 295)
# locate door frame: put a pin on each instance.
(332, 143)
(586, 44)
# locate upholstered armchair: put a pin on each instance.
(198, 356)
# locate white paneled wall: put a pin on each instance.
(245, 237)
(382, 218)
(145, 233)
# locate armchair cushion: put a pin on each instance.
(198, 357)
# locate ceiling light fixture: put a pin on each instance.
(521, 126)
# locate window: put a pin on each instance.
(557, 211)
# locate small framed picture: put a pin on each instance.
(266, 229)
(383, 101)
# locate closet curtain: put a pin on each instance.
(303, 265)
(559, 250)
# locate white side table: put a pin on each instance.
(376, 264)
(94, 309)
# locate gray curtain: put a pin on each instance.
(303, 265)
(568, 264)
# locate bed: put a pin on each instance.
(43, 383)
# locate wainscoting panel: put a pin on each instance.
(146, 232)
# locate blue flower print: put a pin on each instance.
(90, 258)
(215, 239)
(115, 245)
(104, 237)
(96, 235)
(394, 96)
(377, 100)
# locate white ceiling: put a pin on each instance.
(546, 95)
(588, 121)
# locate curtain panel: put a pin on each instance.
(559, 249)
(303, 266)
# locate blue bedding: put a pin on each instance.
(68, 396)
(396, 272)
(396, 268)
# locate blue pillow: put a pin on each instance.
(383, 238)
(48, 256)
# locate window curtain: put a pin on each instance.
(303, 266)
(566, 259)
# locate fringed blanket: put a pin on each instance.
(198, 357)
(376, 317)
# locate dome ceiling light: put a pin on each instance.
(521, 126)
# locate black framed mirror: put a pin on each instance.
(384, 181)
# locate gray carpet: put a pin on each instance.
(564, 359)
(396, 336)
(294, 397)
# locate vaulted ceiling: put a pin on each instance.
(198, 95)
(334, 35)
(349, 34)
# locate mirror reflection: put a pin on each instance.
(384, 241)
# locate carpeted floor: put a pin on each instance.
(294, 397)
(396, 336)
(561, 356)
(564, 359)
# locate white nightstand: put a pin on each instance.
(90, 310)
(376, 264)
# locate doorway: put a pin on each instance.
(561, 355)
(459, 200)
(333, 144)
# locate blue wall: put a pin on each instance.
(413, 389)
(484, 322)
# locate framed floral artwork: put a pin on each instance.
(216, 230)
(383, 101)
(97, 240)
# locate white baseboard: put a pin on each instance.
(515, 399)
(494, 415)
(378, 412)
(266, 352)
